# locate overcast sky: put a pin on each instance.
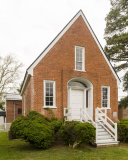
(28, 26)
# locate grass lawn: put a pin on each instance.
(17, 149)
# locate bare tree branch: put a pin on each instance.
(10, 72)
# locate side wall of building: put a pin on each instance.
(28, 97)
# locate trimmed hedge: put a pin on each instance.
(122, 127)
(74, 132)
(36, 129)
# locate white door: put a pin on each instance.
(77, 102)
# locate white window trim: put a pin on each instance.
(54, 94)
(108, 87)
(83, 58)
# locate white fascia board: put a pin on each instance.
(80, 13)
(25, 82)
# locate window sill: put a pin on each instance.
(49, 107)
(79, 70)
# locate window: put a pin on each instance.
(106, 97)
(49, 94)
(79, 58)
(19, 111)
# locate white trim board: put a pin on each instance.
(80, 13)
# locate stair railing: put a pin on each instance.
(68, 112)
(103, 119)
(84, 116)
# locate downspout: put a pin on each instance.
(5, 111)
(14, 110)
(62, 92)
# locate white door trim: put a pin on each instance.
(90, 94)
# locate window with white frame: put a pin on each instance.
(49, 94)
(79, 58)
(106, 96)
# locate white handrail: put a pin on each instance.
(106, 116)
(107, 130)
(87, 116)
(99, 118)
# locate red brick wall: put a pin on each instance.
(59, 65)
(10, 110)
(28, 96)
(123, 113)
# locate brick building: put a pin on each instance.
(123, 113)
(13, 107)
(72, 72)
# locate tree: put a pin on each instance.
(116, 36)
(123, 102)
(1, 106)
(10, 72)
(20, 86)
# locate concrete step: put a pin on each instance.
(114, 143)
(105, 137)
(102, 133)
(105, 140)
(101, 130)
(100, 127)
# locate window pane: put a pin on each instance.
(80, 59)
(51, 99)
(47, 103)
(49, 94)
(47, 99)
(77, 59)
(80, 50)
(51, 90)
(80, 67)
(51, 103)
(104, 97)
(19, 111)
(51, 85)
(77, 67)
(104, 103)
(77, 50)
(47, 89)
(47, 85)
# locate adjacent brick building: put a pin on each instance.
(72, 72)
(13, 107)
(123, 113)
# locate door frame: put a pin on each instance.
(89, 88)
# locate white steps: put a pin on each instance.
(104, 137)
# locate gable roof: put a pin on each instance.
(29, 71)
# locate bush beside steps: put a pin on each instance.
(41, 131)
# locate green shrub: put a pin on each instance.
(36, 129)
(85, 132)
(68, 133)
(74, 132)
(122, 128)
